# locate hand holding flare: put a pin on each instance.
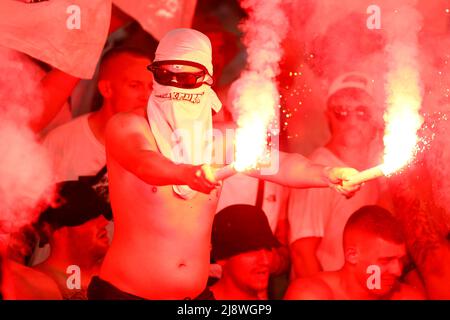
(338, 179)
(366, 175)
(224, 172)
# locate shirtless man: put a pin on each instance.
(163, 197)
(372, 239)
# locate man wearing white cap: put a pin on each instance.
(162, 189)
(317, 216)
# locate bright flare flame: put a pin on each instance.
(257, 100)
(250, 144)
(403, 88)
(402, 120)
(254, 96)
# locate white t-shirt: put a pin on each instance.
(74, 150)
(322, 212)
(242, 189)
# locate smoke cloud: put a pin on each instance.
(403, 87)
(328, 38)
(25, 169)
(254, 96)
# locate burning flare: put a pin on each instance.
(404, 95)
(254, 96)
(257, 98)
(403, 89)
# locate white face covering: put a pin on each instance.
(181, 119)
(181, 122)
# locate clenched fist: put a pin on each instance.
(338, 176)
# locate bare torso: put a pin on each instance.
(332, 287)
(161, 245)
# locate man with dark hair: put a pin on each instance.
(374, 250)
(77, 235)
(242, 244)
(77, 148)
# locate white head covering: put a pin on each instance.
(181, 119)
(188, 45)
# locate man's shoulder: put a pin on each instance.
(312, 288)
(124, 125)
(127, 118)
(68, 126)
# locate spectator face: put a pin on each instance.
(127, 84)
(250, 270)
(350, 117)
(389, 257)
(90, 238)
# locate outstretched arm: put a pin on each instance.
(296, 171)
(130, 142)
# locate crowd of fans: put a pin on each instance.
(269, 240)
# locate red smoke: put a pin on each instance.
(25, 169)
(327, 38)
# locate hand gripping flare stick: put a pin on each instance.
(367, 175)
(224, 172)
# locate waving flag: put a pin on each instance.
(157, 17)
(67, 34)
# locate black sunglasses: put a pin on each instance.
(185, 80)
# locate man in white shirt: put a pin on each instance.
(317, 216)
(77, 147)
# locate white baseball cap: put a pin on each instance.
(351, 80)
